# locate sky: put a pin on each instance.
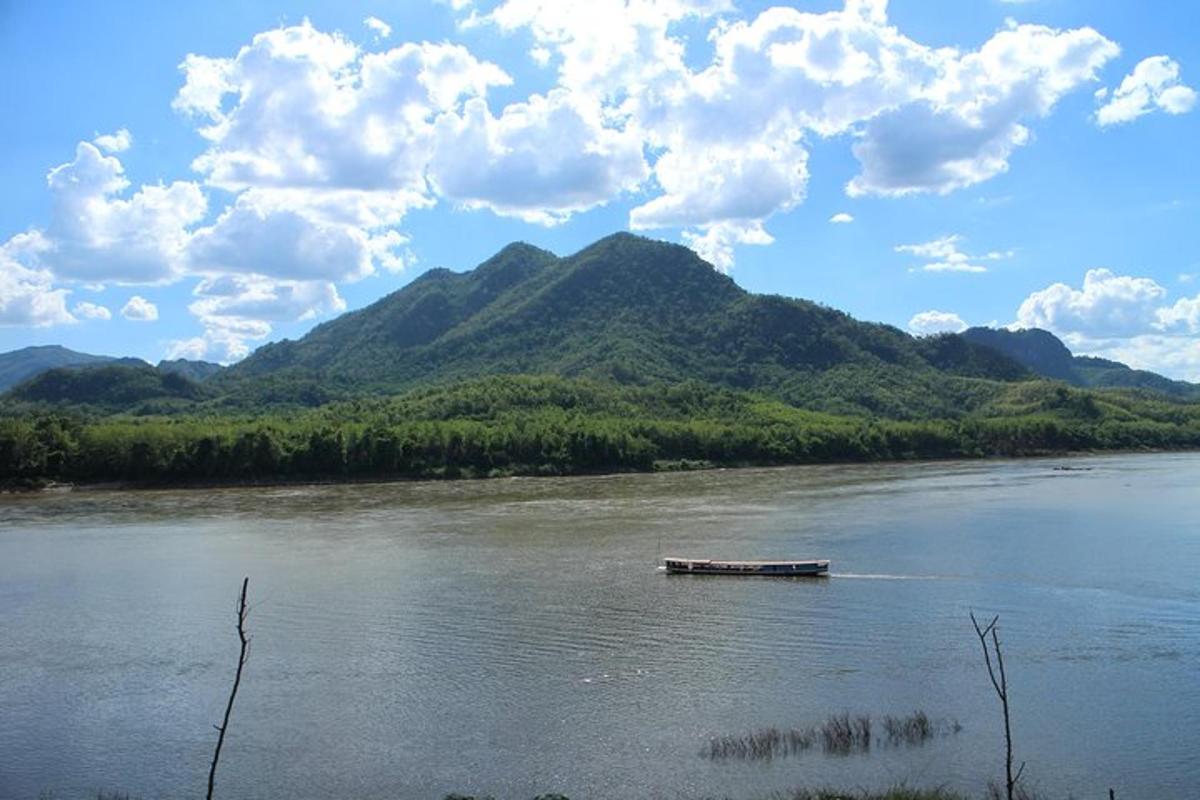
(195, 180)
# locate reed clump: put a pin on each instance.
(840, 735)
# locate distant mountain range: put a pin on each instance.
(29, 362)
(1043, 353)
(625, 309)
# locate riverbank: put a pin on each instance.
(33, 486)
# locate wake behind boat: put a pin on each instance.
(781, 569)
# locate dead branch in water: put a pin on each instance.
(1001, 687)
(242, 613)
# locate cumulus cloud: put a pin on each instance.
(963, 126)
(85, 310)
(1154, 83)
(302, 109)
(841, 218)
(28, 296)
(1172, 355)
(607, 48)
(255, 235)
(930, 322)
(139, 309)
(925, 119)
(944, 255)
(1122, 317)
(715, 244)
(378, 27)
(237, 310)
(540, 160)
(708, 185)
(1108, 305)
(117, 142)
(97, 235)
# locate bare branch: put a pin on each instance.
(243, 612)
(1001, 687)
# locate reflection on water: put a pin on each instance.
(514, 636)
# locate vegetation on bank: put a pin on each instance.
(541, 425)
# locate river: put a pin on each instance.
(513, 636)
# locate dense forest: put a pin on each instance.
(530, 425)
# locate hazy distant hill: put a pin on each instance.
(18, 365)
(628, 309)
(197, 371)
(1043, 353)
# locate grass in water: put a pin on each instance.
(841, 734)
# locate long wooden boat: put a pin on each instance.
(777, 569)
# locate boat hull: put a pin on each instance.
(768, 569)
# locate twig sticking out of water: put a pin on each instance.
(243, 612)
(1001, 687)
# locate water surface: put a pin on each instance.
(513, 636)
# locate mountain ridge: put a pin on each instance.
(628, 309)
(1045, 354)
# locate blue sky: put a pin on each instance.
(198, 180)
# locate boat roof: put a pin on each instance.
(750, 563)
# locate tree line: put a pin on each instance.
(549, 426)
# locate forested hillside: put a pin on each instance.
(630, 354)
(626, 309)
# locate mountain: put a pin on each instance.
(628, 309)
(19, 365)
(197, 371)
(1045, 354)
(111, 386)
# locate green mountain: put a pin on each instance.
(626, 309)
(631, 354)
(1045, 354)
(197, 371)
(109, 387)
(18, 365)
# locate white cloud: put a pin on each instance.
(608, 48)
(963, 126)
(1183, 316)
(841, 218)
(256, 236)
(930, 322)
(1175, 356)
(944, 255)
(238, 309)
(97, 236)
(139, 309)
(707, 185)
(926, 119)
(378, 27)
(301, 109)
(1154, 83)
(1120, 317)
(27, 296)
(194, 349)
(1108, 305)
(541, 160)
(715, 244)
(85, 310)
(117, 142)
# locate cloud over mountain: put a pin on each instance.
(316, 148)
